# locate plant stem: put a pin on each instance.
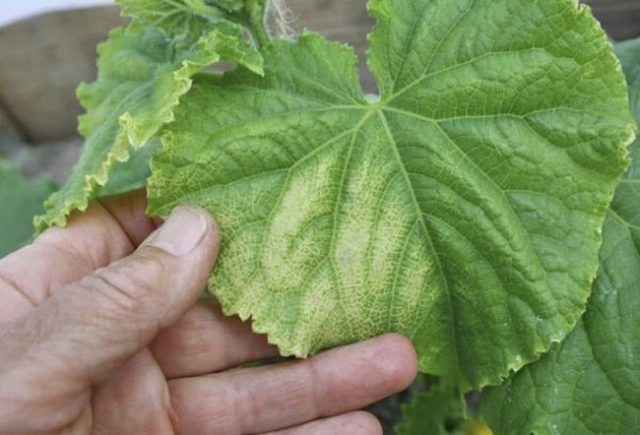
(255, 17)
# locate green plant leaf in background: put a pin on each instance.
(142, 73)
(178, 16)
(129, 175)
(462, 208)
(20, 200)
(430, 412)
(590, 384)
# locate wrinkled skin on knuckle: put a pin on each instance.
(37, 394)
(222, 416)
(132, 282)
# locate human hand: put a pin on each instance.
(100, 332)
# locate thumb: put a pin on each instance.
(98, 323)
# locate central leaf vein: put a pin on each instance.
(332, 244)
(427, 234)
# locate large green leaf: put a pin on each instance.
(590, 384)
(461, 208)
(20, 201)
(143, 72)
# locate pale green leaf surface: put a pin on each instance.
(462, 209)
(130, 175)
(590, 384)
(179, 16)
(143, 72)
(20, 201)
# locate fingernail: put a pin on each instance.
(181, 233)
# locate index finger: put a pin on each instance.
(273, 397)
(107, 231)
